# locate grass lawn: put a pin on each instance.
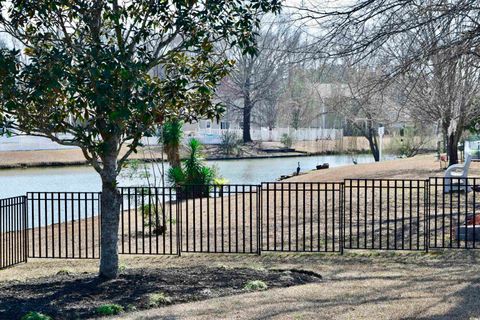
(381, 285)
(357, 285)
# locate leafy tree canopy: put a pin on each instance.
(107, 71)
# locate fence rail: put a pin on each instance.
(148, 221)
(222, 219)
(385, 214)
(63, 224)
(302, 217)
(13, 236)
(371, 214)
(453, 218)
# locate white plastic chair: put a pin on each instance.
(459, 174)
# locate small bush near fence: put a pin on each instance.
(255, 285)
(152, 217)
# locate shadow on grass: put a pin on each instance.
(77, 296)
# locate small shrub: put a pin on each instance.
(286, 140)
(122, 267)
(109, 309)
(230, 143)
(64, 272)
(158, 299)
(131, 308)
(33, 315)
(153, 217)
(255, 285)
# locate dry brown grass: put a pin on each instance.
(419, 167)
(357, 285)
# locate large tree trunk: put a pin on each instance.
(247, 112)
(246, 124)
(110, 211)
(451, 139)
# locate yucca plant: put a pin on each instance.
(171, 139)
(193, 178)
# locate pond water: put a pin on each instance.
(14, 182)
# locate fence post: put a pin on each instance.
(427, 215)
(259, 219)
(25, 228)
(342, 216)
(179, 223)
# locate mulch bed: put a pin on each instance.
(65, 296)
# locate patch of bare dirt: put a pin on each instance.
(65, 296)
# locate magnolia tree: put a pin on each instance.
(88, 82)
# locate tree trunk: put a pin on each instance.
(110, 211)
(247, 112)
(451, 140)
(373, 143)
(176, 162)
(246, 123)
(173, 155)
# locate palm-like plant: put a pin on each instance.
(171, 138)
(194, 178)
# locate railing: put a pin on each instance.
(148, 221)
(220, 219)
(63, 224)
(302, 217)
(371, 214)
(453, 206)
(385, 214)
(213, 136)
(13, 236)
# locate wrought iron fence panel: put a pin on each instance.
(385, 214)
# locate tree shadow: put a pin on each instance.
(77, 296)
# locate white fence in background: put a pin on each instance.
(214, 136)
(206, 136)
(24, 143)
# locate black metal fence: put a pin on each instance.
(302, 217)
(222, 219)
(148, 221)
(375, 214)
(63, 224)
(13, 236)
(453, 218)
(385, 214)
